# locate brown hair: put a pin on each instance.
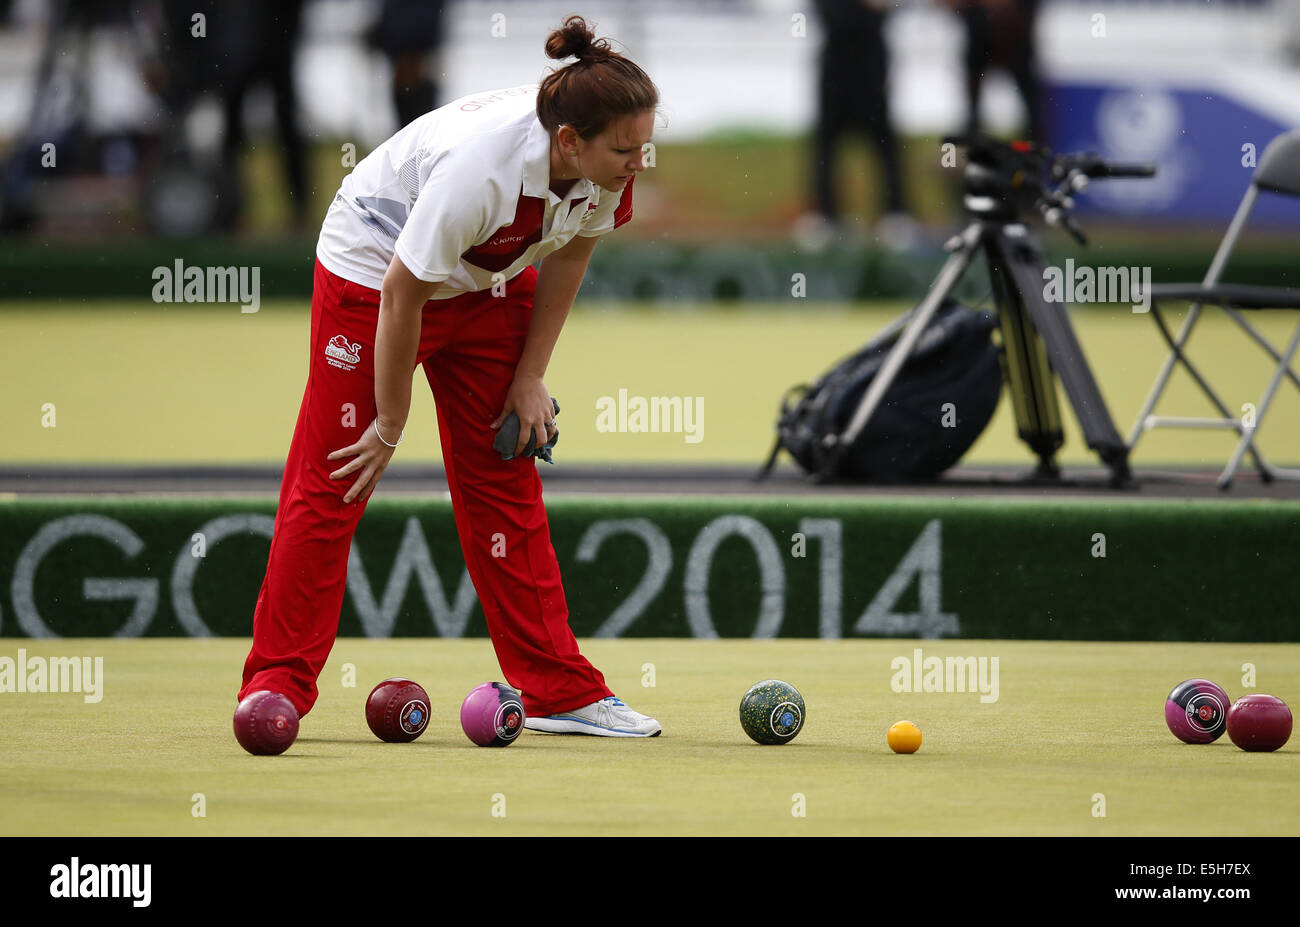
(598, 88)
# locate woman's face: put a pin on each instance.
(614, 156)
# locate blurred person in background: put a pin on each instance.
(408, 32)
(262, 46)
(1000, 34)
(241, 46)
(853, 95)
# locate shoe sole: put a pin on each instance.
(578, 726)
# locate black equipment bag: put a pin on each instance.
(912, 436)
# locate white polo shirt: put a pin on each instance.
(461, 194)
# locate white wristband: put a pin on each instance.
(381, 437)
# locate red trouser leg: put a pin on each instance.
(297, 614)
(498, 504)
(469, 347)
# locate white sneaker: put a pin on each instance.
(609, 717)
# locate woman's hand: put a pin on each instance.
(529, 399)
(372, 456)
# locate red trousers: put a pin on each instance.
(469, 348)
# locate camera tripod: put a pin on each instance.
(1003, 182)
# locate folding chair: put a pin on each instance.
(1278, 171)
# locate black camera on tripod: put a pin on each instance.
(878, 415)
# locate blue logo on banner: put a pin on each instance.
(1197, 139)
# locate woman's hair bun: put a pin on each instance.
(600, 87)
(575, 40)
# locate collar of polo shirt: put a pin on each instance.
(537, 169)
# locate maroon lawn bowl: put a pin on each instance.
(266, 723)
(1259, 723)
(1196, 710)
(492, 715)
(397, 710)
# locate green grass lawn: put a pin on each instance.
(1072, 723)
(138, 382)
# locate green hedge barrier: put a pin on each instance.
(742, 567)
(619, 271)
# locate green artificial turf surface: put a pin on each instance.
(1072, 723)
(120, 383)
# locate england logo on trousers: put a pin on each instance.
(343, 354)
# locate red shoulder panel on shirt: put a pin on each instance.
(623, 211)
(509, 242)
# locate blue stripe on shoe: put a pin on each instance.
(617, 730)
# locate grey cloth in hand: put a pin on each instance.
(507, 439)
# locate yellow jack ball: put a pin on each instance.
(904, 737)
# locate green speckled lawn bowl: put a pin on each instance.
(772, 712)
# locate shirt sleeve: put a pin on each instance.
(451, 214)
(610, 213)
